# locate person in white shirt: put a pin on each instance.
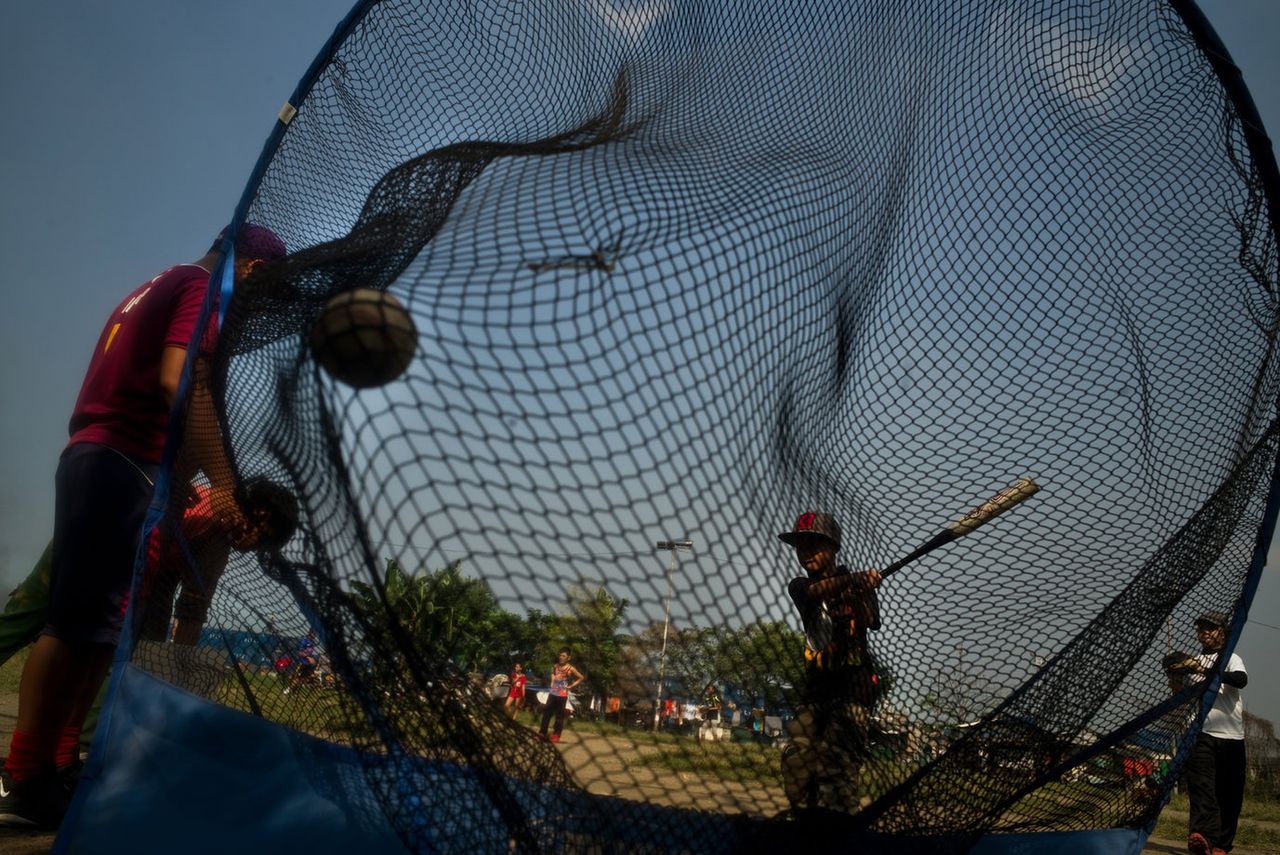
(1215, 770)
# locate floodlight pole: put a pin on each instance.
(675, 546)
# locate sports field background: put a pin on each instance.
(736, 791)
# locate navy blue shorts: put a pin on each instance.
(101, 499)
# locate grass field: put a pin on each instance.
(1259, 823)
(1079, 804)
(11, 671)
(751, 765)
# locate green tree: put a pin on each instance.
(520, 639)
(637, 673)
(691, 661)
(764, 659)
(588, 627)
(447, 615)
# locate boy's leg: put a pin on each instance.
(848, 746)
(800, 759)
(822, 765)
(551, 710)
(546, 718)
(198, 584)
(60, 684)
(1229, 789)
(101, 499)
(91, 718)
(27, 610)
(154, 609)
(561, 714)
(25, 615)
(1202, 789)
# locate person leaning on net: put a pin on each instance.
(273, 514)
(103, 485)
(830, 732)
(189, 562)
(1215, 769)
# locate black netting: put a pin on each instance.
(683, 270)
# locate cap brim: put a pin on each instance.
(793, 537)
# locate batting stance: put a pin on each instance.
(830, 733)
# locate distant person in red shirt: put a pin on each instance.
(515, 694)
(103, 485)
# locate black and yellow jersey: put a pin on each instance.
(837, 658)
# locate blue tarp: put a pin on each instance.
(173, 772)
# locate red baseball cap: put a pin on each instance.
(812, 524)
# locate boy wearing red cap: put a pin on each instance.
(829, 735)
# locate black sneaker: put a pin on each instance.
(69, 776)
(38, 802)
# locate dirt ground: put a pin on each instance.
(597, 770)
(598, 760)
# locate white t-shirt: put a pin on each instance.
(1226, 719)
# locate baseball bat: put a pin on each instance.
(1019, 491)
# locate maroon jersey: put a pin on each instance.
(121, 403)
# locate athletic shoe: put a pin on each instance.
(69, 775)
(38, 802)
(1198, 845)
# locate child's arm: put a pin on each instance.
(835, 586)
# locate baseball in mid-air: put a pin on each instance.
(364, 338)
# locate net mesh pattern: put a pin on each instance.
(683, 270)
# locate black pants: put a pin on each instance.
(100, 502)
(555, 706)
(1215, 785)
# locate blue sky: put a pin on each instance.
(130, 132)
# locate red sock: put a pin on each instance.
(68, 750)
(28, 755)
